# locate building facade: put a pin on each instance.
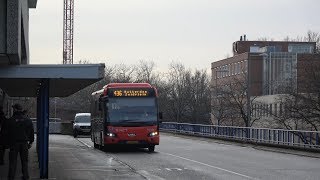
(264, 68)
(14, 31)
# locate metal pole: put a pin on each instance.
(44, 129)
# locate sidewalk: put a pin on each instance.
(33, 165)
(71, 160)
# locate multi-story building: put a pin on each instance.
(265, 68)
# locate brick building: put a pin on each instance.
(266, 67)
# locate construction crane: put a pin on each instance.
(68, 16)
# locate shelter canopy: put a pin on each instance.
(64, 80)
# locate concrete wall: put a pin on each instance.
(3, 30)
(57, 128)
(14, 32)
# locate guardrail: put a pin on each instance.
(294, 138)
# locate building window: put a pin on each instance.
(300, 48)
(231, 68)
(245, 66)
(223, 72)
(270, 111)
(238, 68)
(241, 67)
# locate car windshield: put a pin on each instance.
(132, 110)
(82, 119)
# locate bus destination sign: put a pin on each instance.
(130, 92)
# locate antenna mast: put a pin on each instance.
(68, 16)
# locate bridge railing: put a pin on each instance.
(295, 138)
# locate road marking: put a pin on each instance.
(84, 143)
(170, 169)
(148, 175)
(232, 172)
(103, 170)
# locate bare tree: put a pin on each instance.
(233, 95)
(199, 98)
(124, 73)
(302, 107)
(220, 108)
(145, 72)
(178, 91)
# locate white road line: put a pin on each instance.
(232, 172)
(84, 143)
(103, 170)
(149, 176)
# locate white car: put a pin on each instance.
(82, 124)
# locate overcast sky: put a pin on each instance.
(193, 32)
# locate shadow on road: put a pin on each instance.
(126, 150)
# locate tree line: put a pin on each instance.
(184, 94)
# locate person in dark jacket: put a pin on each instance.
(3, 135)
(21, 137)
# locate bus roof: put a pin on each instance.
(125, 85)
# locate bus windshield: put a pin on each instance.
(132, 110)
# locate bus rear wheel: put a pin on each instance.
(151, 148)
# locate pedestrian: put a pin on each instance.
(21, 137)
(3, 135)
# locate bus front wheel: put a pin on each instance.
(151, 148)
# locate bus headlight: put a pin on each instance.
(110, 134)
(153, 134)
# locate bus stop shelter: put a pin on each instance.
(42, 82)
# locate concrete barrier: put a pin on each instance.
(64, 128)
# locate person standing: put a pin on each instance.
(21, 137)
(3, 135)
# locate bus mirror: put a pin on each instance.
(72, 121)
(160, 115)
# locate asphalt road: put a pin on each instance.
(179, 157)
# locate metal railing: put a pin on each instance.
(294, 138)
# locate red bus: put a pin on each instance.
(125, 114)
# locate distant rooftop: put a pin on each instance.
(240, 47)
